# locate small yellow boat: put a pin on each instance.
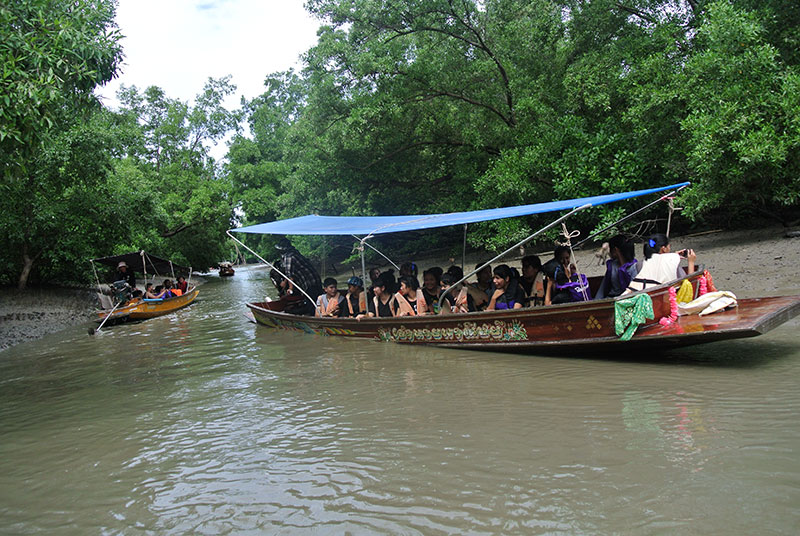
(140, 309)
(121, 301)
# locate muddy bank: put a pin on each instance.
(34, 313)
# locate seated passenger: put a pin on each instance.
(532, 281)
(508, 293)
(356, 298)
(408, 268)
(182, 285)
(148, 292)
(483, 285)
(458, 300)
(560, 258)
(329, 303)
(151, 293)
(168, 289)
(660, 265)
(566, 285)
(381, 304)
(408, 301)
(620, 269)
(431, 290)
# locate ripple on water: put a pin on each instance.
(203, 422)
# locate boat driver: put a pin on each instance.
(123, 274)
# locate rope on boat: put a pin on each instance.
(569, 236)
(259, 257)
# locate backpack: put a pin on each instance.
(579, 289)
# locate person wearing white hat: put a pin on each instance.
(123, 274)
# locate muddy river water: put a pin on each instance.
(203, 423)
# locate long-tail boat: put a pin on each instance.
(586, 326)
(117, 300)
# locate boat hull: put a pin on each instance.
(575, 327)
(143, 310)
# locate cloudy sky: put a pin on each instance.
(178, 44)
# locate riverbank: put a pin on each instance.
(750, 263)
(33, 313)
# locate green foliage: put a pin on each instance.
(425, 106)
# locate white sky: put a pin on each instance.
(177, 44)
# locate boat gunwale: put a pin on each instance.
(547, 310)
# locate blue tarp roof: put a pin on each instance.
(365, 225)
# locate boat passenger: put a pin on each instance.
(560, 257)
(409, 301)
(355, 298)
(484, 286)
(660, 265)
(153, 294)
(431, 289)
(391, 281)
(182, 285)
(458, 300)
(531, 280)
(566, 281)
(124, 274)
(330, 302)
(374, 274)
(408, 268)
(508, 293)
(300, 272)
(621, 268)
(169, 291)
(381, 304)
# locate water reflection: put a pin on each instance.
(204, 422)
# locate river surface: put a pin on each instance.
(204, 423)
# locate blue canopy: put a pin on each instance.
(365, 225)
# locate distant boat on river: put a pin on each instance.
(226, 269)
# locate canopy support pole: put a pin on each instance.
(144, 267)
(373, 248)
(464, 249)
(631, 215)
(363, 275)
(259, 257)
(515, 246)
(95, 277)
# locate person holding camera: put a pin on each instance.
(661, 265)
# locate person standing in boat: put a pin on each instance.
(301, 273)
(125, 274)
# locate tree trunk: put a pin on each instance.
(27, 264)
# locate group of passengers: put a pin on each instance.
(124, 276)
(165, 290)
(555, 282)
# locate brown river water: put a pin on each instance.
(203, 423)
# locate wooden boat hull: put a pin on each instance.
(142, 310)
(575, 327)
